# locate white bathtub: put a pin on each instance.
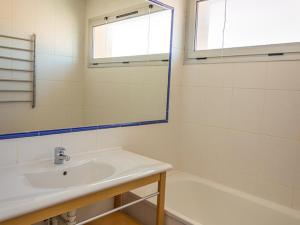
(192, 200)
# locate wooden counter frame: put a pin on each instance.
(116, 192)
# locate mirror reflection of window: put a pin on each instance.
(141, 35)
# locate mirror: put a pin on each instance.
(80, 65)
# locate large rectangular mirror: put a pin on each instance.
(74, 65)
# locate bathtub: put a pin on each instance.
(195, 201)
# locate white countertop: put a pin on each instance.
(18, 196)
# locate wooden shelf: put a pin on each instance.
(118, 218)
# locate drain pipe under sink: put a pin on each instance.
(69, 218)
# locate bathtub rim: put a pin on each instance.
(176, 175)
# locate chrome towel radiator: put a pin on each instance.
(9, 83)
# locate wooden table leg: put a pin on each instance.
(117, 201)
(160, 210)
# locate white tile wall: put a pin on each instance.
(274, 192)
(260, 145)
(8, 152)
(247, 108)
(296, 199)
(80, 142)
(216, 106)
(283, 75)
(249, 75)
(281, 114)
(37, 148)
(278, 160)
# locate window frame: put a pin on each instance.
(287, 51)
(138, 60)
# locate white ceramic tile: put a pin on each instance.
(8, 153)
(237, 160)
(175, 110)
(23, 16)
(109, 138)
(238, 179)
(274, 192)
(242, 152)
(277, 160)
(177, 69)
(154, 141)
(80, 142)
(216, 106)
(247, 109)
(37, 148)
(45, 11)
(58, 119)
(281, 114)
(44, 66)
(250, 75)
(211, 75)
(296, 199)
(51, 93)
(6, 28)
(5, 9)
(192, 104)
(297, 171)
(192, 74)
(74, 116)
(284, 75)
(5, 120)
(202, 149)
(21, 118)
(191, 137)
(215, 142)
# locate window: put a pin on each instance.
(140, 37)
(245, 27)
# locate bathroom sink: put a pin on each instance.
(86, 173)
(29, 187)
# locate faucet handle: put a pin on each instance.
(60, 150)
(67, 158)
(60, 156)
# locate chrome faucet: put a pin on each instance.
(60, 156)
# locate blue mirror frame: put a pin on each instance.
(99, 127)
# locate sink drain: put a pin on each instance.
(65, 173)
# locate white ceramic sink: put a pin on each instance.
(87, 173)
(31, 186)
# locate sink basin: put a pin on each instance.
(87, 173)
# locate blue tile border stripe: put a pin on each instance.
(78, 129)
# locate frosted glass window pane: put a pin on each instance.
(210, 23)
(160, 31)
(143, 35)
(249, 23)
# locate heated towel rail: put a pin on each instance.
(10, 83)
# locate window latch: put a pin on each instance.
(201, 58)
(276, 54)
